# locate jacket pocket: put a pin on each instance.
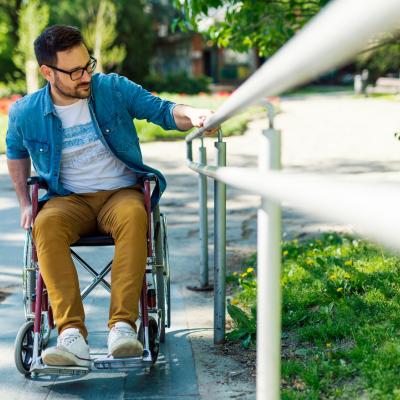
(40, 155)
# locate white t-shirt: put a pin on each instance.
(86, 164)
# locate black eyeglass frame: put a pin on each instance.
(92, 62)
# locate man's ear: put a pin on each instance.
(47, 73)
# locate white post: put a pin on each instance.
(268, 276)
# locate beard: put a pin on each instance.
(80, 91)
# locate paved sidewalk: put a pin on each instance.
(319, 135)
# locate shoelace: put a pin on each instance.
(124, 331)
(67, 340)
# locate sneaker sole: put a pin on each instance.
(127, 349)
(64, 358)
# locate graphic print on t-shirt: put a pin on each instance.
(86, 163)
(81, 146)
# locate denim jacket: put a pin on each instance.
(35, 130)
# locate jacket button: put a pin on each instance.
(40, 149)
(107, 130)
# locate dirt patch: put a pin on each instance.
(246, 358)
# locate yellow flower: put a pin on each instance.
(285, 253)
(329, 345)
(249, 270)
(243, 275)
(309, 261)
(346, 276)
(339, 289)
(333, 277)
(348, 262)
(234, 302)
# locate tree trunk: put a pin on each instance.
(32, 79)
(99, 35)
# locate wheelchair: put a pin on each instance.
(154, 308)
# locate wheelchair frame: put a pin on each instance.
(155, 302)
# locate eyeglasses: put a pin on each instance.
(77, 73)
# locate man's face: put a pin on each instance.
(69, 60)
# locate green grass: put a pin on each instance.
(340, 318)
(320, 90)
(378, 96)
(3, 128)
(148, 132)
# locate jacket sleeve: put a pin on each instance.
(15, 148)
(141, 104)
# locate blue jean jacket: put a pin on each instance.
(35, 130)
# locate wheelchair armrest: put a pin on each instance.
(33, 180)
(149, 177)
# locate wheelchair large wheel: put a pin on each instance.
(29, 274)
(162, 276)
(154, 339)
(23, 348)
(167, 277)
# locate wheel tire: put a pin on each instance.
(154, 345)
(46, 333)
(23, 348)
(167, 277)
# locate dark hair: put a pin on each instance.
(56, 38)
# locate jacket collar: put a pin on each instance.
(48, 102)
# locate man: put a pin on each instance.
(78, 133)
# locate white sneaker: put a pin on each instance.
(71, 350)
(123, 342)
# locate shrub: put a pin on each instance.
(177, 83)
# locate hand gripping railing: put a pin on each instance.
(336, 34)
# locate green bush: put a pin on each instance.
(177, 83)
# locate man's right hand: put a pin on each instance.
(26, 217)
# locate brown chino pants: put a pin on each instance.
(62, 220)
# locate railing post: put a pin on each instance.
(203, 233)
(203, 220)
(268, 275)
(219, 246)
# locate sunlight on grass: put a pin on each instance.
(3, 128)
(340, 318)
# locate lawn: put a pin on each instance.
(340, 318)
(149, 132)
(3, 128)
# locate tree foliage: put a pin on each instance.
(245, 24)
(121, 31)
(33, 18)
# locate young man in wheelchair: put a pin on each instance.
(78, 132)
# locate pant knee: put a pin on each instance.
(51, 228)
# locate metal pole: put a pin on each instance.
(203, 216)
(219, 246)
(268, 276)
(203, 220)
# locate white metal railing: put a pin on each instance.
(335, 35)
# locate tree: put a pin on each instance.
(33, 18)
(245, 24)
(100, 34)
(132, 31)
(8, 37)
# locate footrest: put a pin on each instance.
(109, 362)
(43, 369)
